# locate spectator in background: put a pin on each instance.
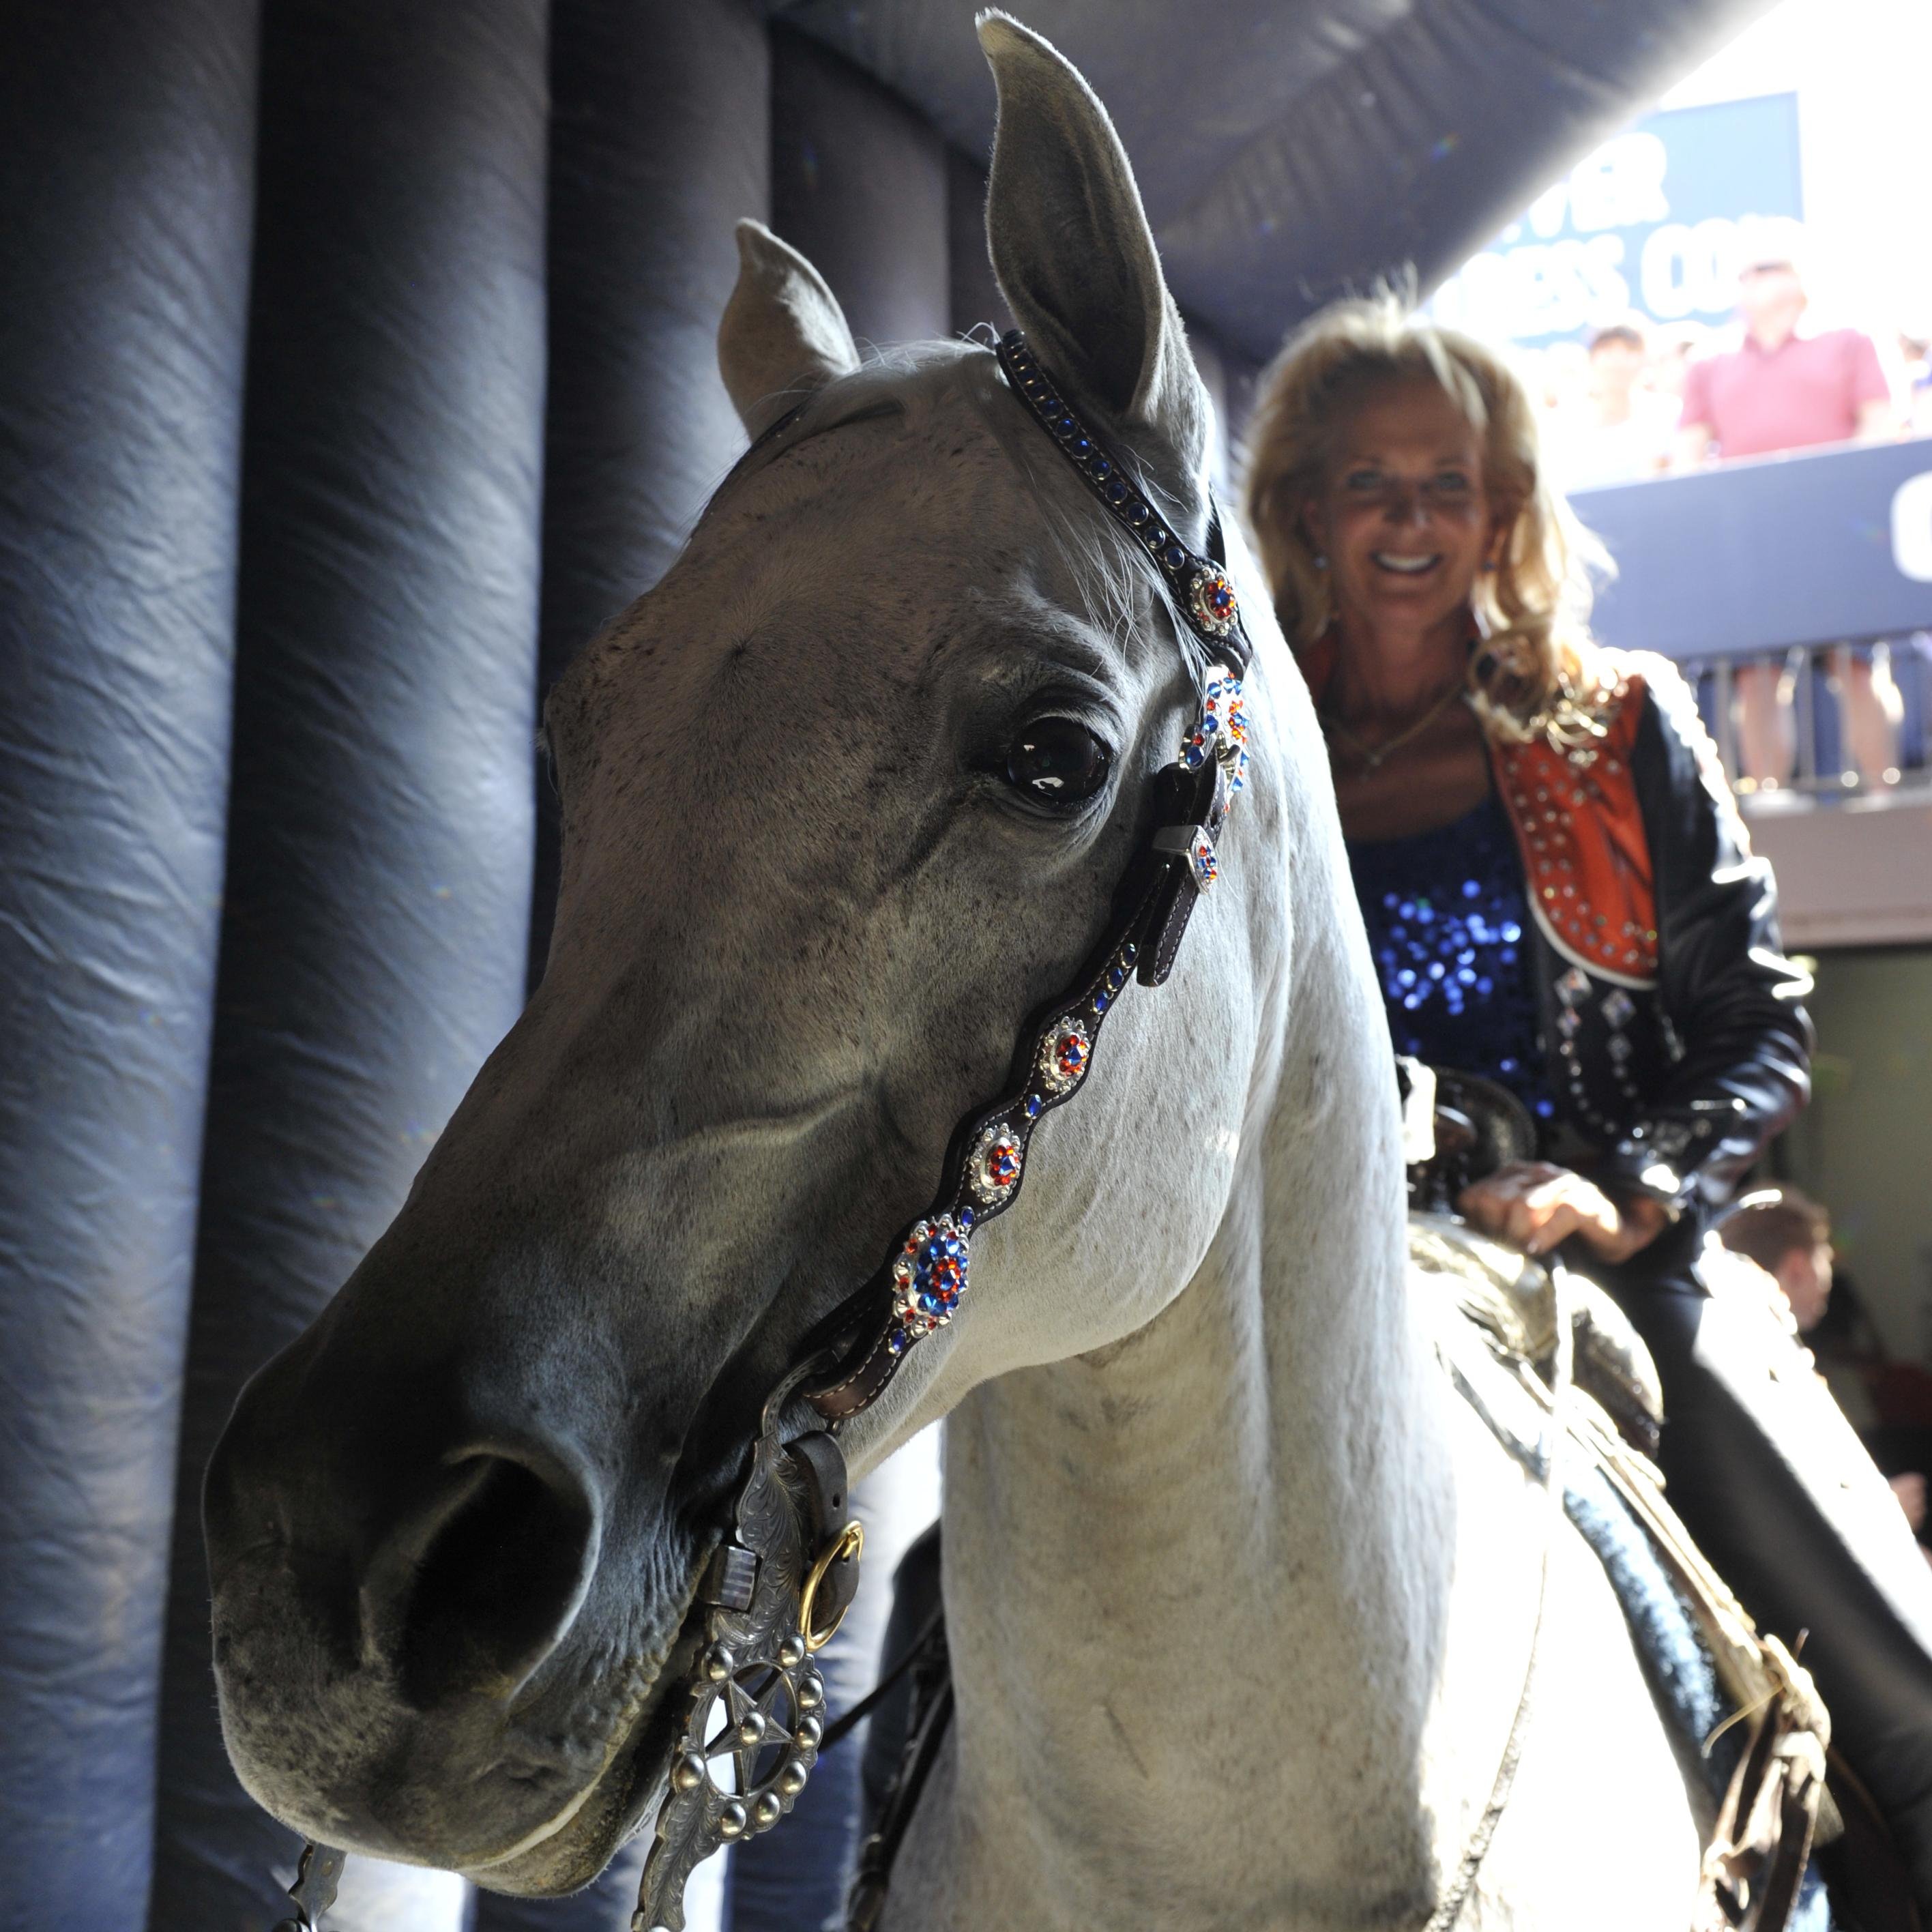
(1789, 1235)
(1778, 391)
(1621, 432)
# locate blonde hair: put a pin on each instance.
(1536, 672)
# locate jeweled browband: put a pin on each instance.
(924, 1278)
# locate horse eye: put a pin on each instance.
(1057, 761)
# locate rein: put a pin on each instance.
(787, 1566)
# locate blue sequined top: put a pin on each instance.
(1448, 925)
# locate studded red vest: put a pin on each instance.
(1586, 864)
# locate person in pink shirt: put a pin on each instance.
(1778, 391)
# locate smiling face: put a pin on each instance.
(1404, 516)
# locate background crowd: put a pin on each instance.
(1635, 401)
(1638, 400)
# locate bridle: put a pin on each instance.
(923, 1279)
(787, 1567)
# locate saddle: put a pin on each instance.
(1458, 1127)
(1775, 1801)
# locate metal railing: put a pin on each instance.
(1820, 723)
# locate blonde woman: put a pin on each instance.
(1560, 896)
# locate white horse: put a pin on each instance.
(1241, 1593)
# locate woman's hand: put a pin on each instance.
(1537, 1205)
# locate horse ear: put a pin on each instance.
(1075, 256)
(782, 334)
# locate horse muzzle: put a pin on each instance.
(438, 1637)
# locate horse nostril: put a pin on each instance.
(478, 1586)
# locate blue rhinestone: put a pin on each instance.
(1117, 491)
(1101, 469)
(1051, 404)
(1080, 448)
(1191, 756)
(1101, 1003)
(966, 1217)
(898, 1341)
(1174, 556)
(1130, 953)
(1033, 1104)
(1066, 427)
(1115, 978)
(1138, 513)
(1153, 538)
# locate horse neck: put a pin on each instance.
(1196, 1580)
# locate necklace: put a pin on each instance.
(1372, 756)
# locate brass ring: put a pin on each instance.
(849, 1542)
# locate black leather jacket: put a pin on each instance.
(1676, 1091)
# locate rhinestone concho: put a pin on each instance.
(994, 1171)
(929, 1277)
(1221, 729)
(1063, 1057)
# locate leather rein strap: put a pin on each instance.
(920, 1283)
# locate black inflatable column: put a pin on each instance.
(660, 143)
(858, 184)
(376, 924)
(127, 134)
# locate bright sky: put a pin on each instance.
(1862, 71)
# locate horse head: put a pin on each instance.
(845, 796)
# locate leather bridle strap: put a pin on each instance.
(919, 1284)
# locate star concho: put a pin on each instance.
(929, 1277)
(994, 1171)
(753, 1738)
(1211, 598)
(1062, 1059)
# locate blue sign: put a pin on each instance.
(1803, 549)
(1656, 222)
